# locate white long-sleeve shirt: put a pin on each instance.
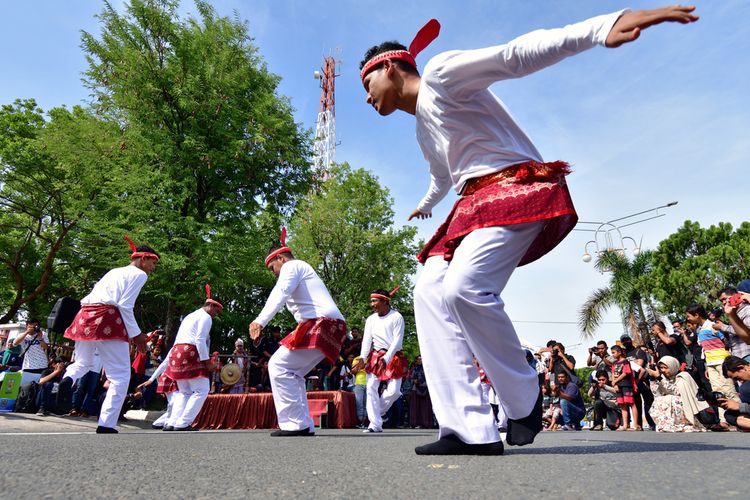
(194, 329)
(383, 332)
(120, 287)
(463, 129)
(303, 292)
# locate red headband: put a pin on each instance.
(209, 300)
(136, 254)
(422, 39)
(387, 298)
(279, 251)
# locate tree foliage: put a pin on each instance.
(694, 263)
(345, 230)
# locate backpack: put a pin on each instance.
(26, 401)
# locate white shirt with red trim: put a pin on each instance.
(463, 129)
(120, 287)
(194, 329)
(383, 332)
(303, 292)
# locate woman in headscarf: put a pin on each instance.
(675, 404)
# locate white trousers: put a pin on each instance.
(459, 313)
(188, 400)
(378, 404)
(287, 370)
(164, 418)
(115, 359)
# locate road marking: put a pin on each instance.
(71, 433)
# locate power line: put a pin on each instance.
(565, 322)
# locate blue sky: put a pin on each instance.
(663, 119)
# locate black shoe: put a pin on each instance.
(105, 430)
(185, 429)
(167, 428)
(452, 445)
(300, 432)
(524, 430)
(154, 426)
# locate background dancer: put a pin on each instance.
(106, 323)
(319, 334)
(381, 347)
(513, 209)
(166, 386)
(190, 365)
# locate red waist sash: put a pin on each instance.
(165, 385)
(324, 334)
(398, 367)
(184, 363)
(527, 192)
(97, 322)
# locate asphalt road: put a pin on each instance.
(47, 457)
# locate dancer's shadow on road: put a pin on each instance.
(607, 447)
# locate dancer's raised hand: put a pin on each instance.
(628, 27)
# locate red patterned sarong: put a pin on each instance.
(527, 192)
(397, 368)
(165, 385)
(184, 363)
(324, 334)
(97, 322)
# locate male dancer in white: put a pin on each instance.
(190, 365)
(513, 209)
(319, 334)
(106, 323)
(381, 347)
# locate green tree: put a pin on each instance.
(624, 291)
(209, 147)
(694, 263)
(52, 173)
(346, 231)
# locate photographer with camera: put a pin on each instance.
(605, 402)
(559, 362)
(737, 413)
(33, 342)
(599, 359)
(53, 396)
(737, 333)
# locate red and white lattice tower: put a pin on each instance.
(324, 146)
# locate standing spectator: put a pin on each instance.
(605, 402)
(737, 341)
(559, 362)
(216, 375)
(598, 357)
(642, 394)
(360, 390)
(571, 402)
(346, 377)
(737, 413)
(33, 342)
(239, 356)
(712, 343)
(420, 406)
(666, 344)
(623, 382)
(696, 365)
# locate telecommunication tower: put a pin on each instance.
(324, 145)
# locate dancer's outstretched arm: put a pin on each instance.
(629, 26)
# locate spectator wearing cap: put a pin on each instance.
(239, 356)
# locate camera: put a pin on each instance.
(555, 352)
(712, 398)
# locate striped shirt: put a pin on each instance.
(712, 343)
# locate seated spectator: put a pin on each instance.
(605, 402)
(571, 402)
(53, 396)
(737, 414)
(552, 416)
(675, 404)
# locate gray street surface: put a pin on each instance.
(53, 457)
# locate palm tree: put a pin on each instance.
(623, 291)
